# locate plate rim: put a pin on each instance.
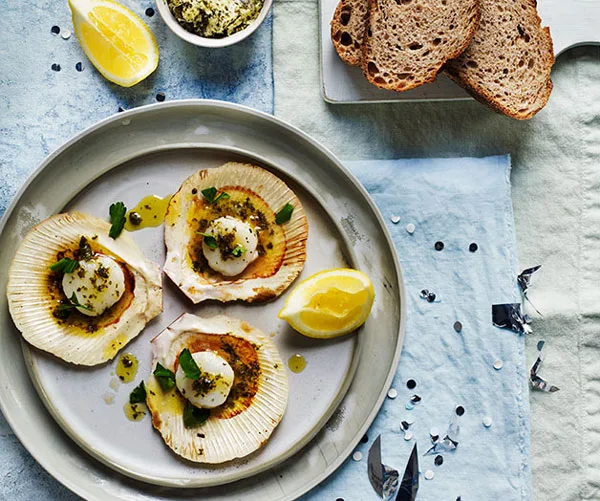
(70, 482)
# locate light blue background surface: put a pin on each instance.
(456, 201)
(43, 108)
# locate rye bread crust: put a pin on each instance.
(348, 29)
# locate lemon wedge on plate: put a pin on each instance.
(329, 303)
(116, 41)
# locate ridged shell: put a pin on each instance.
(29, 298)
(178, 233)
(217, 440)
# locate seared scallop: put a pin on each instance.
(218, 389)
(234, 232)
(77, 293)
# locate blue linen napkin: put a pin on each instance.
(42, 108)
(458, 202)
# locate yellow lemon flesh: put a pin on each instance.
(329, 303)
(116, 41)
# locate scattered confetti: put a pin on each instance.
(487, 421)
(460, 410)
(434, 432)
(121, 109)
(408, 435)
(393, 393)
(457, 326)
(473, 247)
(410, 480)
(509, 316)
(429, 475)
(160, 97)
(449, 442)
(411, 384)
(410, 420)
(536, 381)
(55, 30)
(357, 456)
(364, 439)
(431, 297)
(55, 67)
(65, 35)
(408, 406)
(498, 365)
(410, 228)
(383, 478)
(395, 219)
(524, 281)
(439, 246)
(149, 11)
(415, 399)
(79, 66)
(404, 425)
(439, 460)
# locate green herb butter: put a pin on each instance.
(215, 18)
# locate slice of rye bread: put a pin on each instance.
(348, 29)
(408, 41)
(508, 63)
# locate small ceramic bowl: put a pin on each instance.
(182, 33)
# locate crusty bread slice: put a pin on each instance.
(408, 41)
(508, 63)
(348, 29)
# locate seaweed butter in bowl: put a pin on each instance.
(213, 23)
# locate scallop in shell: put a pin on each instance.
(256, 402)
(245, 198)
(45, 315)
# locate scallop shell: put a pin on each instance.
(31, 304)
(179, 231)
(217, 439)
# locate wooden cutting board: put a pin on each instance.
(571, 22)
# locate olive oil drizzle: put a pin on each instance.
(148, 213)
(297, 363)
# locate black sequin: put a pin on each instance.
(160, 97)
(431, 297)
(55, 67)
(439, 460)
(79, 66)
(439, 246)
(457, 326)
(424, 293)
(473, 247)
(149, 11)
(415, 399)
(411, 383)
(121, 109)
(339, 499)
(404, 425)
(460, 410)
(55, 30)
(364, 439)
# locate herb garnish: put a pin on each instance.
(138, 395)
(66, 265)
(117, 213)
(211, 195)
(194, 416)
(238, 251)
(85, 252)
(165, 377)
(209, 240)
(188, 364)
(284, 214)
(74, 304)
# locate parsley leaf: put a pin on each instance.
(117, 213)
(188, 364)
(211, 195)
(194, 416)
(284, 214)
(208, 239)
(238, 251)
(74, 304)
(165, 377)
(65, 265)
(138, 395)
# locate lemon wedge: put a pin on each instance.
(329, 303)
(116, 41)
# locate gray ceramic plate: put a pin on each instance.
(151, 150)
